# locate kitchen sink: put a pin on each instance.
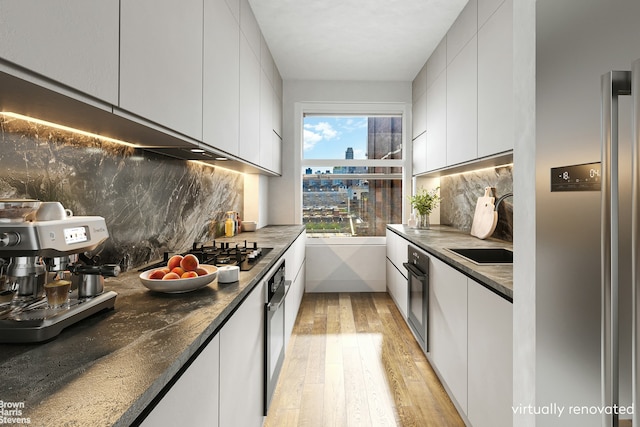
(485, 256)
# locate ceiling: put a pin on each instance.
(373, 40)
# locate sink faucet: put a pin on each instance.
(501, 199)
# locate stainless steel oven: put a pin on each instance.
(417, 266)
(277, 288)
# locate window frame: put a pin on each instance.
(341, 109)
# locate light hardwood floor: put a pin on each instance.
(352, 361)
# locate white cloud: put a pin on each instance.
(316, 133)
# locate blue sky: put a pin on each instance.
(328, 137)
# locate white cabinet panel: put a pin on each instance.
(161, 62)
(436, 150)
(419, 115)
(448, 327)
(193, 399)
(242, 364)
(249, 27)
(73, 42)
(249, 148)
(462, 30)
(462, 105)
(396, 249)
(486, 8)
(221, 80)
(420, 154)
(266, 122)
(490, 358)
(397, 287)
(437, 62)
(495, 83)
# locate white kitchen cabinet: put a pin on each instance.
(462, 105)
(266, 122)
(495, 83)
(448, 328)
(464, 28)
(436, 144)
(486, 8)
(193, 399)
(437, 62)
(249, 148)
(72, 42)
(397, 287)
(161, 62)
(242, 363)
(419, 111)
(420, 154)
(295, 271)
(396, 274)
(277, 101)
(221, 78)
(250, 28)
(490, 358)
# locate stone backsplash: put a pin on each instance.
(151, 203)
(460, 193)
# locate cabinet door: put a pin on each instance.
(418, 94)
(193, 399)
(490, 358)
(292, 304)
(221, 77)
(462, 30)
(436, 149)
(249, 103)
(448, 327)
(266, 122)
(462, 105)
(495, 83)
(242, 364)
(420, 154)
(396, 249)
(73, 42)
(397, 287)
(161, 62)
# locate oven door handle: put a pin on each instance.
(278, 298)
(414, 271)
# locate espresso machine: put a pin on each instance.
(42, 242)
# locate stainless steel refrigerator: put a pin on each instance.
(586, 346)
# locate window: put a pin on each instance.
(352, 173)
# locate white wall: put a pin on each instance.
(285, 192)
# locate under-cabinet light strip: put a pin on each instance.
(68, 129)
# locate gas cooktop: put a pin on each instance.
(245, 255)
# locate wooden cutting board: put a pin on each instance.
(485, 217)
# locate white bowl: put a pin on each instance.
(179, 286)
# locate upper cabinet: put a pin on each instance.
(469, 99)
(250, 74)
(462, 105)
(495, 83)
(161, 62)
(72, 42)
(419, 95)
(221, 78)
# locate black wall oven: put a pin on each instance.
(274, 330)
(417, 266)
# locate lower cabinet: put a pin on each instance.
(242, 363)
(448, 328)
(193, 399)
(397, 287)
(490, 358)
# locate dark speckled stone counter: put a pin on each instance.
(105, 370)
(498, 278)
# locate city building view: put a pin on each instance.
(356, 200)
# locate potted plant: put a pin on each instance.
(424, 202)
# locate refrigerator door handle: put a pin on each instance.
(635, 236)
(613, 84)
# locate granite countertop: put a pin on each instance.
(498, 278)
(106, 369)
